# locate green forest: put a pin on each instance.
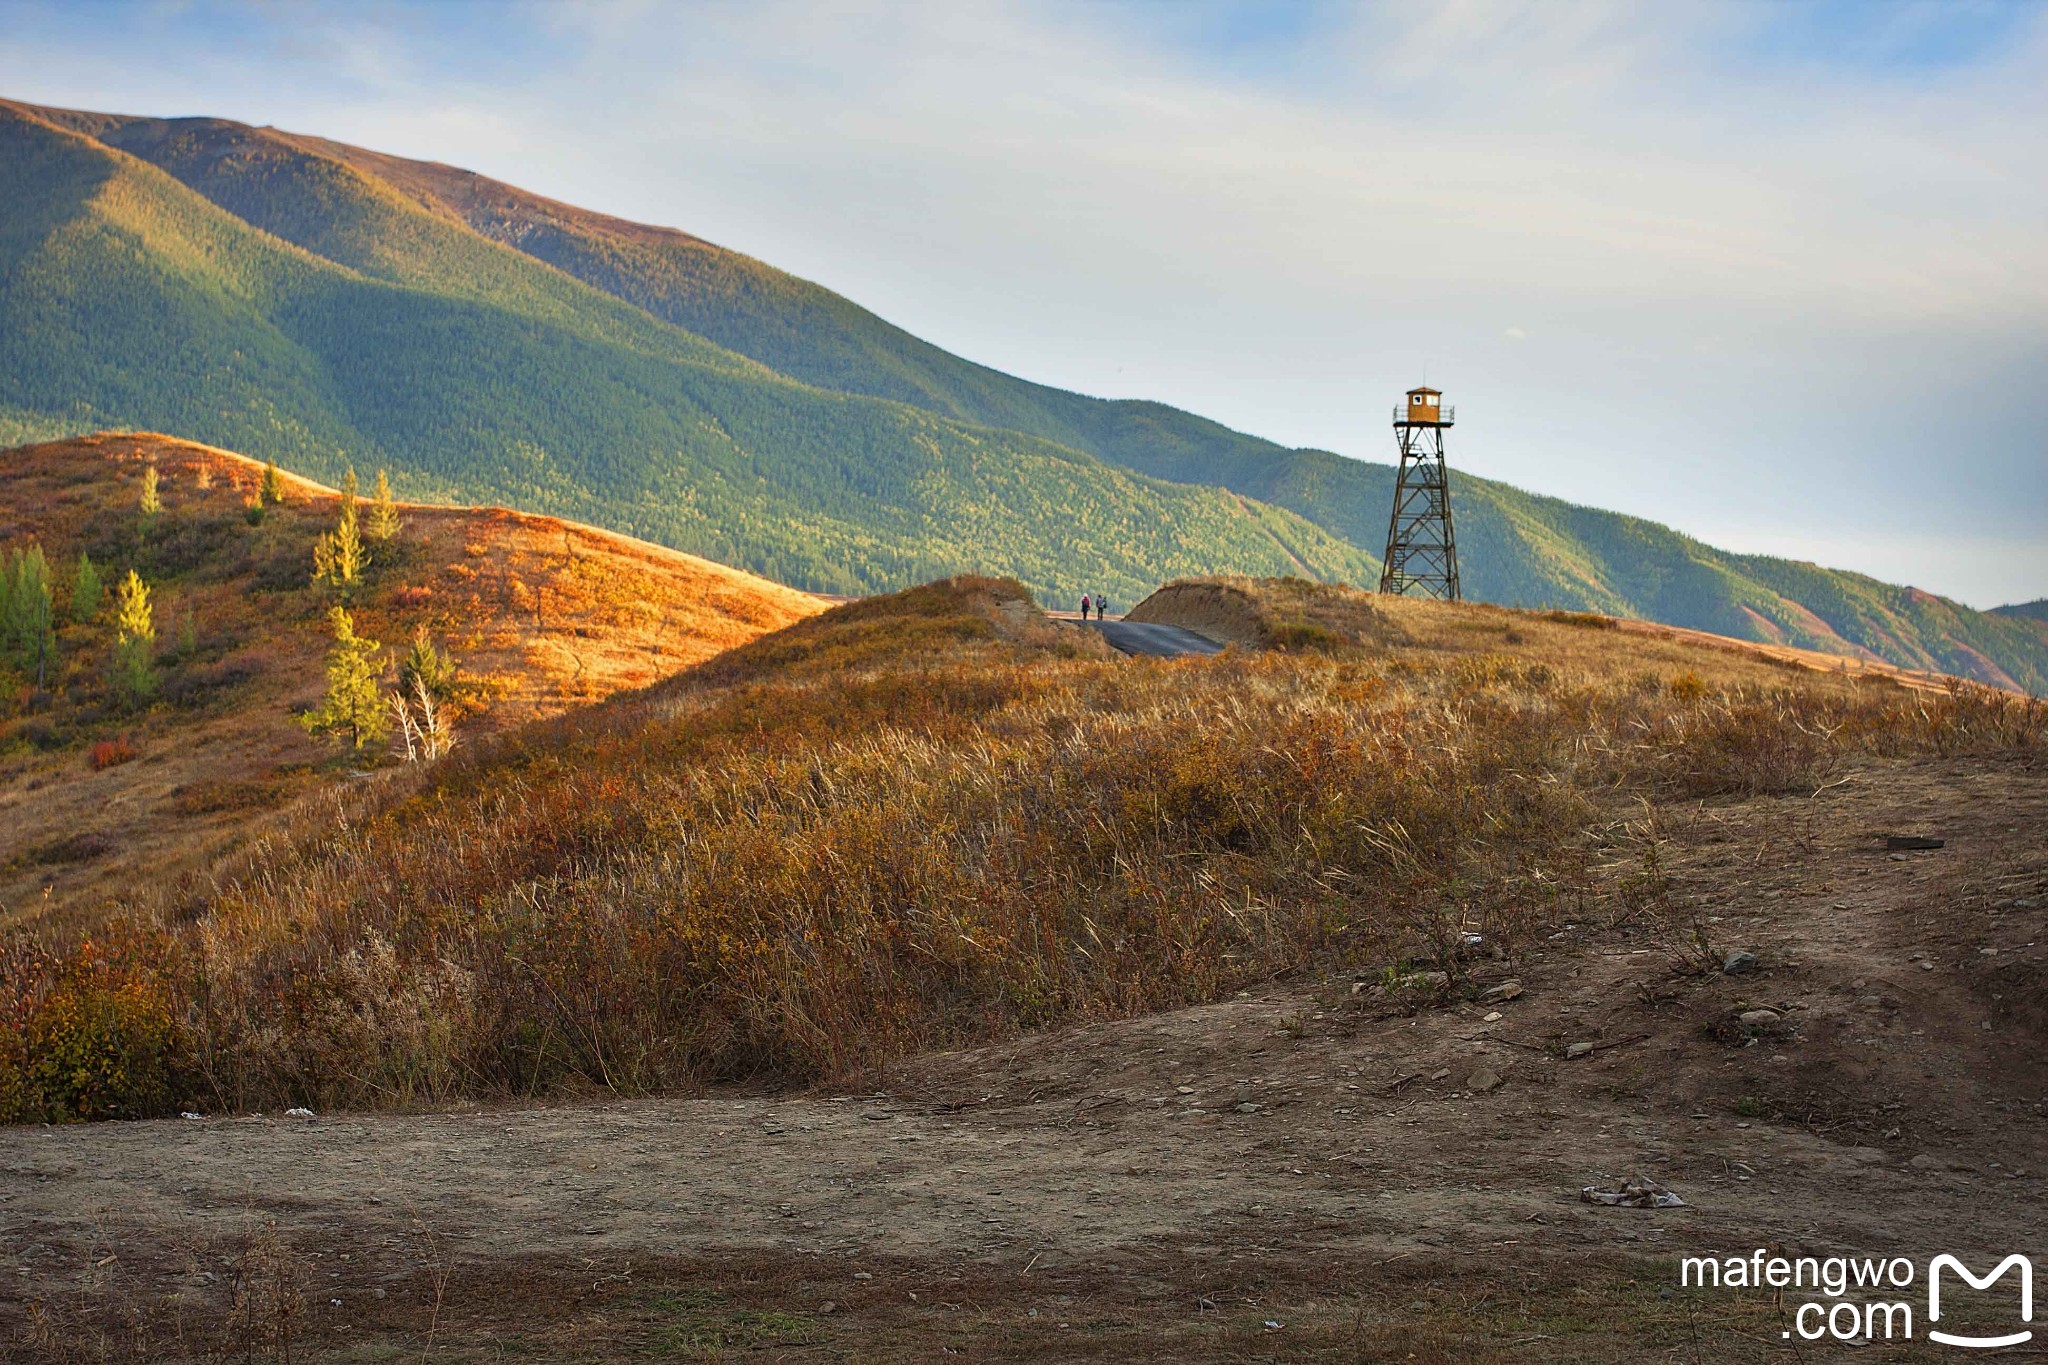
(133, 302)
(321, 305)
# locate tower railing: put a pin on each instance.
(1402, 419)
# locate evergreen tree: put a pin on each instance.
(339, 557)
(271, 492)
(26, 616)
(151, 502)
(134, 639)
(86, 590)
(427, 667)
(383, 514)
(353, 708)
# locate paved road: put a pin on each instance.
(1165, 642)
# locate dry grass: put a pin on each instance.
(1274, 613)
(1295, 614)
(542, 614)
(927, 819)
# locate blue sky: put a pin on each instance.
(1775, 274)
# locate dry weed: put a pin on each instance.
(921, 821)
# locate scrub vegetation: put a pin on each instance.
(925, 820)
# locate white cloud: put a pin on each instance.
(1756, 289)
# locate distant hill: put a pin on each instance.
(396, 336)
(538, 614)
(2031, 616)
(491, 343)
(1519, 549)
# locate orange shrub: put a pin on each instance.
(111, 753)
(87, 1033)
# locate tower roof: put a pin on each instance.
(1422, 389)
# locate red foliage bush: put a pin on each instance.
(410, 596)
(111, 753)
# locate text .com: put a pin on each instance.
(1864, 1297)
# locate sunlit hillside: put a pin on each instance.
(288, 306)
(103, 795)
(939, 817)
(1292, 614)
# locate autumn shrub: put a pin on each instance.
(89, 1033)
(800, 881)
(1305, 635)
(1687, 687)
(111, 753)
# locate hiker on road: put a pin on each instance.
(1084, 606)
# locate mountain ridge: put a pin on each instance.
(435, 228)
(257, 343)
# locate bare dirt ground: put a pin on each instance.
(1302, 1172)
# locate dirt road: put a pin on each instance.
(1369, 1178)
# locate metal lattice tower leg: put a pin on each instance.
(1422, 551)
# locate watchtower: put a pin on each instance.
(1422, 552)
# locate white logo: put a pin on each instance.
(2026, 1269)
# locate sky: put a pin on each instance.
(1773, 274)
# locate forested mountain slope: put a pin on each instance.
(1520, 549)
(865, 515)
(476, 373)
(2029, 616)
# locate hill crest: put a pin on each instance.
(540, 614)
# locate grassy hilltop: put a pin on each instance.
(927, 819)
(317, 303)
